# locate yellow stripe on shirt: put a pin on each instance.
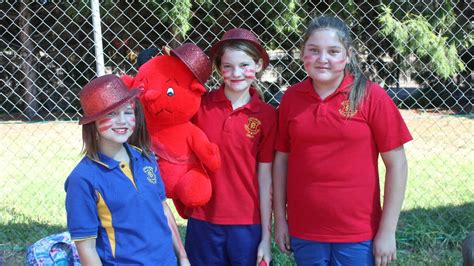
(105, 218)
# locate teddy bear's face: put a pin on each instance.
(171, 93)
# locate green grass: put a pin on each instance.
(438, 211)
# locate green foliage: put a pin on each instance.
(207, 3)
(181, 14)
(416, 35)
(177, 12)
(207, 17)
(80, 9)
(289, 20)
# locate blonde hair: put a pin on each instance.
(245, 47)
(139, 138)
(358, 87)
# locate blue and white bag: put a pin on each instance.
(55, 249)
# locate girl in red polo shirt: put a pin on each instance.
(332, 128)
(234, 228)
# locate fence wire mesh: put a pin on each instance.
(419, 51)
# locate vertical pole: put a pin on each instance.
(27, 66)
(99, 52)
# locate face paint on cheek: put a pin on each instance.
(104, 124)
(249, 73)
(226, 74)
(308, 60)
(105, 121)
(308, 57)
(340, 64)
(104, 128)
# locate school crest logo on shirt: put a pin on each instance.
(252, 127)
(345, 109)
(150, 174)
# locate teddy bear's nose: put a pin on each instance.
(170, 92)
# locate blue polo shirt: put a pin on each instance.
(120, 206)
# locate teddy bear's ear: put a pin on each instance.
(197, 86)
(128, 80)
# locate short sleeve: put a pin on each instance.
(81, 208)
(266, 150)
(386, 122)
(282, 142)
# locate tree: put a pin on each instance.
(429, 40)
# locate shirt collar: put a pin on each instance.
(344, 87)
(253, 105)
(219, 95)
(110, 163)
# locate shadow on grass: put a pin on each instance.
(17, 235)
(434, 235)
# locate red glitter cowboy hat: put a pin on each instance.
(195, 59)
(102, 95)
(241, 35)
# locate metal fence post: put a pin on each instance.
(99, 52)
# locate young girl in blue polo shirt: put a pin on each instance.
(115, 200)
(234, 227)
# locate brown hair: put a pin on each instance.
(245, 47)
(358, 87)
(139, 138)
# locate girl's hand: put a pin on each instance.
(384, 248)
(184, 262)
(282, 237)
(264, 252)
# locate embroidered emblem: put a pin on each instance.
(345, 109)
(150, 174)
(252, 127)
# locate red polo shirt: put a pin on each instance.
(245, 137)
(333, 184)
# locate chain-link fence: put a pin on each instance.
(420, 51)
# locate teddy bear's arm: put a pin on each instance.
(206, 151)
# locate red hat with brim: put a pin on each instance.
(195, 59)
(103, 95)
(239, 34)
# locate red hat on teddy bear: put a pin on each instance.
(195, 59)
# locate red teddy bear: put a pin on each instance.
(173, 85)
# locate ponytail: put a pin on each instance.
(359, 85)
